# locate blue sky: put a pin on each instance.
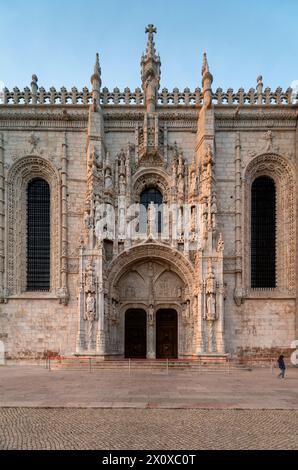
(58, 39)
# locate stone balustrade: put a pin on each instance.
(39, 96)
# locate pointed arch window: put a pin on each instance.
(263, 233)
(38, 235)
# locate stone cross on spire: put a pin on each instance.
(150, 71)
(150, 51)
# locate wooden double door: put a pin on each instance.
(136, 333)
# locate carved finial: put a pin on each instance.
(34, 89)
(96, 82)
(150, 71)
(259, 79)
(97, 66)
(207, 80)
(34, 79)
(259, 88)
(205, 65)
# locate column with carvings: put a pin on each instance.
(63, 291)
(80, 344)
(2, 222)
(238, 294)
(220, 334)
(100, 301)
(198, 315)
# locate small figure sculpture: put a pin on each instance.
(122, 185)
(89, 277)
(151, 315)
(108, 178)
(90, 315)
(210, 294)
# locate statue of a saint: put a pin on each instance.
(90, 315)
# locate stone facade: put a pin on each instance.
(100, 149)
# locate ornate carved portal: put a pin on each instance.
(154, 289)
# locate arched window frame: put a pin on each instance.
(22, 171)
(281, 171)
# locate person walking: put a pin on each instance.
(282, 366)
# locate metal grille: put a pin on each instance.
(150, 195)
(38, 236)
(263, 228)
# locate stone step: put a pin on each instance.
(139, 365)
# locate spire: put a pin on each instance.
(207, 80)
(96, 82)
(150, 71)
(150, 50)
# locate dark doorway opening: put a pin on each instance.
(135, 333)
(166, 333)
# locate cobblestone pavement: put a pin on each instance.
(118, 429)
(36, 387)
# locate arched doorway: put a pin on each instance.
(166, 333)
(135, 333)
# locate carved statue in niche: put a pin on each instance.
(108, 178)
(122, 185)
(90, 277)
(180, 165)
(211, 307)
(151, 315)
(90, 315)
(151, 219)
(122, 159)
(211, 313)
(180, 187)
(193, 182)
